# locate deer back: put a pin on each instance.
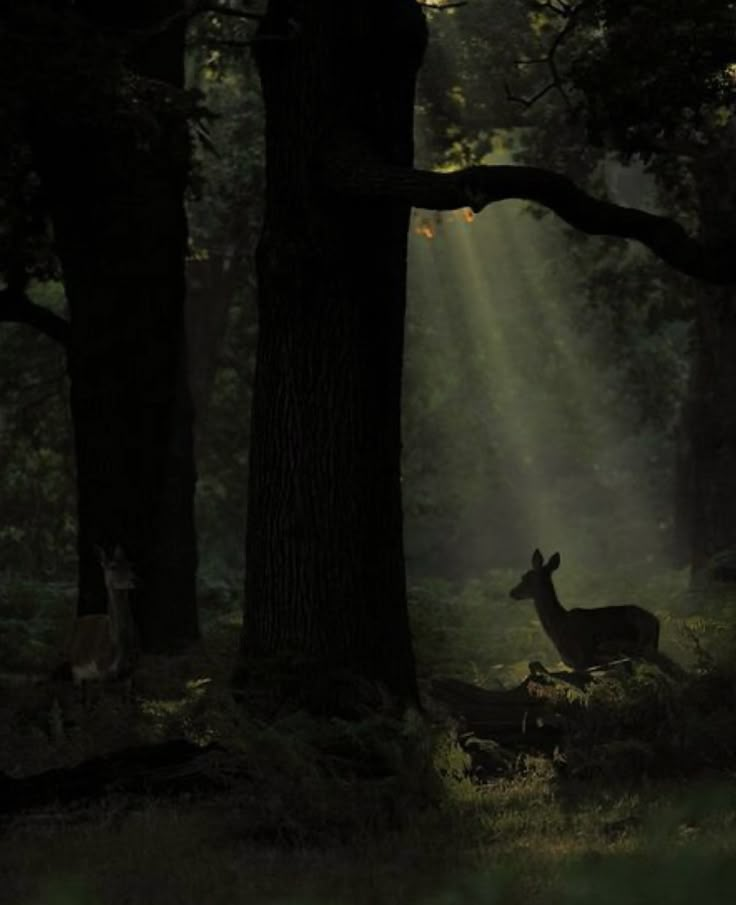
(607, 632)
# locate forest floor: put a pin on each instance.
(520, 840)
(298, 829)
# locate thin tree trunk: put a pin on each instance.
(325, 584)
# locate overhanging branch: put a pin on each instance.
(16, 307)
(477, 187)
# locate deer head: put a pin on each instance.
(116, 569)
(537, 578)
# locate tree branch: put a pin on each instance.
(570, 14)
(16, 307)
(479, 186)
(529, 101)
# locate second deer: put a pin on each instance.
(104, 646)
(586, 638)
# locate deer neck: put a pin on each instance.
(118, 610)
(549, 609)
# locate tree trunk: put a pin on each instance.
(712, 469)
(325, 584)
(682, 541)
(713, 430)
(116, 198)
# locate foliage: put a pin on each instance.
(225, 214)
(37, 494)
(38, 532)
(63, 69)
(647, 724)
(384, 810)
(655, 74)
(223, 453)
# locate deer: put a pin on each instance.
(105, 646)
(586, 638)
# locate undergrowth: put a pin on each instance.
(387, 810)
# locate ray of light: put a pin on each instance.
(531, 376)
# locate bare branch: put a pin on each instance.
(570, 13)
(16, 307)
(529, 101)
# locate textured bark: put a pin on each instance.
(325, 583)
(710, 464)
(116, 198)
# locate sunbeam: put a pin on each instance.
(563, 467)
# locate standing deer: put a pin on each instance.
(586, 638)
(104, 646)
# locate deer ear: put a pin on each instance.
(100, 554)
(119, 554)
(553, 562)
(537, 560)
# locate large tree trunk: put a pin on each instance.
(711, 470)
(325, 583)
(116, 197)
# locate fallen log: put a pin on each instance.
(168, 769)
(532, 716)
(518, 717)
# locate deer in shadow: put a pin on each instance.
(587, 638)
(104, 646)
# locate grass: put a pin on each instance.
(518, 840)
(304, 829)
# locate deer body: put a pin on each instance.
(104, 646)
(586, 638)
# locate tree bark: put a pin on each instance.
(325, 583)
(116, 196)
(711, 465)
